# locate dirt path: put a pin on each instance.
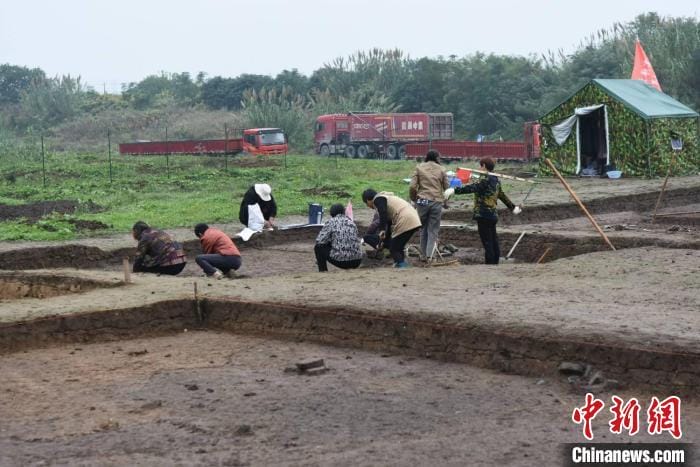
(218, 399)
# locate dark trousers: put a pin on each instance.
(372, 240)
(397, 245)
(489, 238)
(171, 270)
(323, 257)
(224, 263)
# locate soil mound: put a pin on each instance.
(39, 209)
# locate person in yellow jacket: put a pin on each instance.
(398, 221)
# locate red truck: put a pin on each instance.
(525, 150)
(258, 141)
(361, 134)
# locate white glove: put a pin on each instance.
(517, 210)
(448, 193)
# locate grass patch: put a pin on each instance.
(181, 190)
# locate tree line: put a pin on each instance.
(489, 94)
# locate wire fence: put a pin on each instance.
(42, 161)
(36, 161)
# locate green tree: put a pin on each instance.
(228, 93)
(424, 87)
(14, 80)
(293, 80)
(50, 101)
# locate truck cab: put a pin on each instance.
(265, 141)
(331, 133)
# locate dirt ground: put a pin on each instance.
(215, 398)
(219, 399)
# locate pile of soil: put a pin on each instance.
(39, 209)
(257, 162)
(81, 224)
(326, 191)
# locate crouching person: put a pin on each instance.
(157, 252)
(337, 242)
(221, 257)
(398, 221)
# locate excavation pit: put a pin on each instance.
(154, 374)
(211, 398)
(14, 286)
(479, 315)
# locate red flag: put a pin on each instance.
(642, 68)
(348, 210)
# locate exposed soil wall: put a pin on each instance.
(533, 245)
(431, 337)
(90, 257)
(166, 317)
(635, 202)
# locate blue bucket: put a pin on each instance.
(315, 213)
(455, 182)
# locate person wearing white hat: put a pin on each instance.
(259, 194)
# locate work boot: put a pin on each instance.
(231, 274)
(402, 265)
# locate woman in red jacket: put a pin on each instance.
(220, 253)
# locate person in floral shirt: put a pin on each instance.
(337, 242)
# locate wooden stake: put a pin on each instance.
(663, 188)
(546, 252)
(580, 204)
(515, 245)
(127, 270)
(197, 307)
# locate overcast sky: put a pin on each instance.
(126, 40)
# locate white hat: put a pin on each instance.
(264, 191)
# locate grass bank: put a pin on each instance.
(178, 191)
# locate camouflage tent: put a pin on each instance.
(620, 122)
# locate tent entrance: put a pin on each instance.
(592, 134)
(592, 138)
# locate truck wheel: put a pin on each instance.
(325, 150)
(391, 152)
(402, 152)
(350, 152)
(362, 151)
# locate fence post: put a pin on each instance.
(109, 153)
(43, 161)
(225, 148)
(167, 153)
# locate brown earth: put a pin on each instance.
(251, 161)
(630, 313)
(518, 317)
(39, 209)
(23, 285)
(218, 399)
(326, 191)
(81, 224)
